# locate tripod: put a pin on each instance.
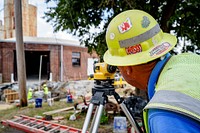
(99, 98)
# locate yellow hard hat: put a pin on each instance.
(134, 37)
(44, 85)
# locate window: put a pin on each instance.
(76, 58)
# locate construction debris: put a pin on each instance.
(7, 86)
(58, 90)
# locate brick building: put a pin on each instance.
(59, 59)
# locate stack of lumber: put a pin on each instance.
(11, 95)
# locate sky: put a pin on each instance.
(44, 29)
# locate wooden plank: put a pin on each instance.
(58, 110)
(8, 92)
(11, 95)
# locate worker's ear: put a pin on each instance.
(128, 70)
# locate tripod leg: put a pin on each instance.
(87, 119)
(97, 120)
(131, 119)
(93, 120)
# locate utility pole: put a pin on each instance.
(21, 68)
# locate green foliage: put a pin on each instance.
(104, 118)
(79, 16)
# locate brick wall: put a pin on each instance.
(7, 61)
(1, 57)
(75, 72)
(69, 72)
(55, 62)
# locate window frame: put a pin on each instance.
(76, 59)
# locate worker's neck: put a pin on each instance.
(146, 72)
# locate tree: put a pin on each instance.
(80, 16)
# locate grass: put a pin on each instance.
(31, 111)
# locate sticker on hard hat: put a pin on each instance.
(160, 49)
(112, 36)
(125, 26)
(145, 22)
(134, 49)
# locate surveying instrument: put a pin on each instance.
(100, 94)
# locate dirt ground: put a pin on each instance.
(4, 106)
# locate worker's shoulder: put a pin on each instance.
(186, 57)
(189, 53)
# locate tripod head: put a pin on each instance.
(101, 93)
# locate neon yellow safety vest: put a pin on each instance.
(30, 93)
(45, 90)
(178, 87)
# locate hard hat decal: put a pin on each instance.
(160, 49)
(125, 26)
(112, 36)
(134, 49)
(154, 40)
(145, 22)
(140, 38)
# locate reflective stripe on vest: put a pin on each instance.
(177, 102)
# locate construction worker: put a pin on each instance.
(140, 49)
(46, 91)
(30, 93)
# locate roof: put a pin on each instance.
(46, 40)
